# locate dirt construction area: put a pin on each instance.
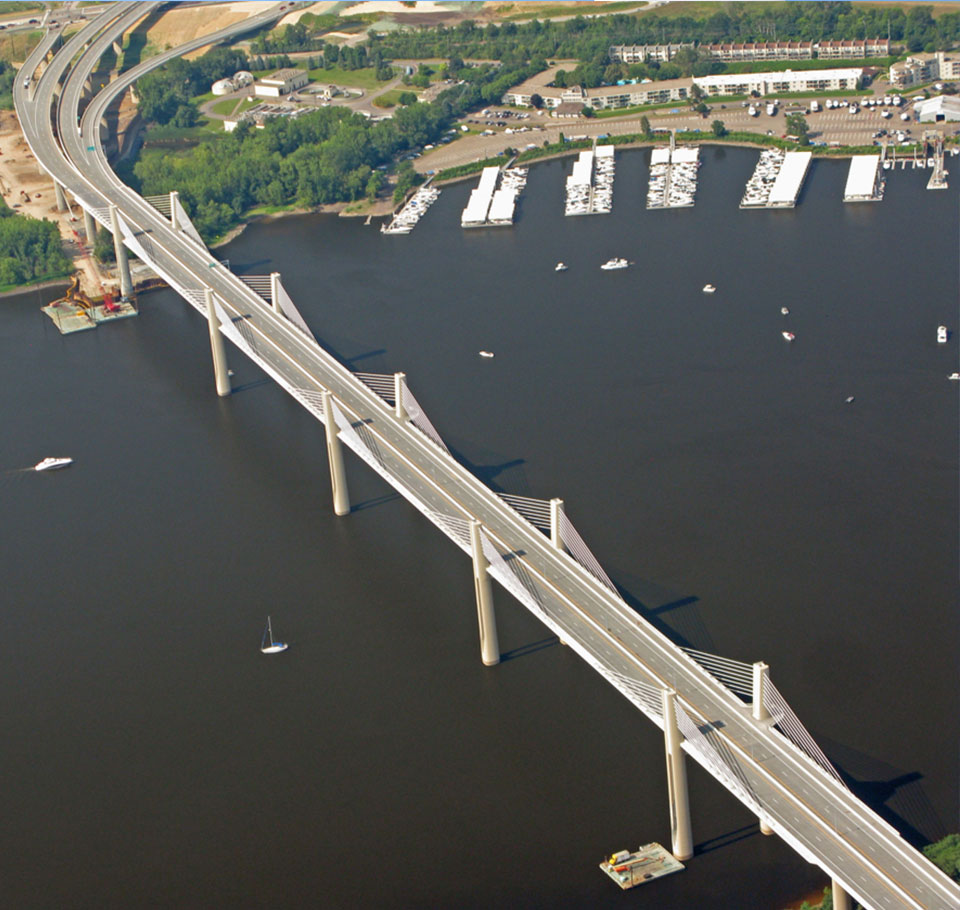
(28, 191)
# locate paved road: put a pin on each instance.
(814, 813)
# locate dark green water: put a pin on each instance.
(153, 757)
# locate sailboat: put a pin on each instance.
(268, 645)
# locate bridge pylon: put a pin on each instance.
(489, 643)
(399, 387)
(681, 837)
(221, 374)
(761, 676)
(338, 474)
(556, 520)
(275, 292)
(61, 197)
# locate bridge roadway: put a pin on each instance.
(804, 805)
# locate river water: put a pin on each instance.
(153, 757)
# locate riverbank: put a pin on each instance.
(15, 290)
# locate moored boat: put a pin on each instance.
(708, 289)
(614, 264)
(941, 334)
(560, 267)
(788, 335)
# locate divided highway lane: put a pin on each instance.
(812, 812)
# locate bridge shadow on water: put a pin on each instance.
(726, 840)
(897, 796)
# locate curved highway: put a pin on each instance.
(808, 808)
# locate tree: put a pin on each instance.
(695, 96)
(719, 129)
(946, 854)
(536, 101)
(702, 109)
(407, 98)
(645, 127)
(797, 126)
(588, 111)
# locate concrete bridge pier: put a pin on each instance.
(221, 374)
(681, 836)
(489, 644)
(841, 900)
(61, 197)
(338, 474)
(123, 265)
(174, 196)
(399, 384)
(89, 228)
(761, 675)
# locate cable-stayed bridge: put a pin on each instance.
(726, 715)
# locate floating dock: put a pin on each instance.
(673, 177)
(649, 862)
(404, 221)
(864, 182)
(489, 206)
(589, 189)
(786, 188)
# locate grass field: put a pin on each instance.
(363, 78)
(15, 47)
(778, 66)
(389, 99)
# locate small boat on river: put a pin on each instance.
(789, 336)
(709, 289)
(52, 464)
(614, 264)
(268, 645)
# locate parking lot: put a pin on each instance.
(836, 126)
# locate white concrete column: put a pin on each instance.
(682, 839)
(338, 474)
(275, 291)
(761, 674)
(174, 196)
(221, 374)
(123, 266)
(399, 384)
(89, 227)
(556, 513)
(841, 900)
(61, 197)
(489, 644)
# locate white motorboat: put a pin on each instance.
(486, 353)
(268, 645)
(785, 311)
(954, 376)
(614, 264)
(52, 464)
(849, 399)
(708, 289)
(560, 267)
(788, 335)
(941, 334)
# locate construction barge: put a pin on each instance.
(649, 862)
(75, 312)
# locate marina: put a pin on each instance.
(415, 208)
(589, 189)
(673, 177)
(777, 179)
(864, 180)
(489, 206)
